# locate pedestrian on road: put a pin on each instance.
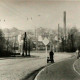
(51, 54)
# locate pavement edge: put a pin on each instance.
(36, 78)
(75, 68)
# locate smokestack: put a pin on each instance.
(65, 25)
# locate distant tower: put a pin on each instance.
(65, 25)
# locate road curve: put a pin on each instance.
(60, 71)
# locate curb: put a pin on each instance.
(36, 78)
(39, 74)
(75, 68)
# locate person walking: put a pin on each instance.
(51, 54)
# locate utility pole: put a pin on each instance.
(58, 37)
(26, 43)
(64, 30)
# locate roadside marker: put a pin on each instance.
(46, 41)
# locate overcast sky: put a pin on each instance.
(27, 14)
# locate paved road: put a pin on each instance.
(60, 71)
(18, 68)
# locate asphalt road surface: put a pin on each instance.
(60, 71)
(17, 68)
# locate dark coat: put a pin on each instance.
(51, 54)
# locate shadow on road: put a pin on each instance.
(32, 75)
(18, 57)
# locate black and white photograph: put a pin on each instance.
(39, 39)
